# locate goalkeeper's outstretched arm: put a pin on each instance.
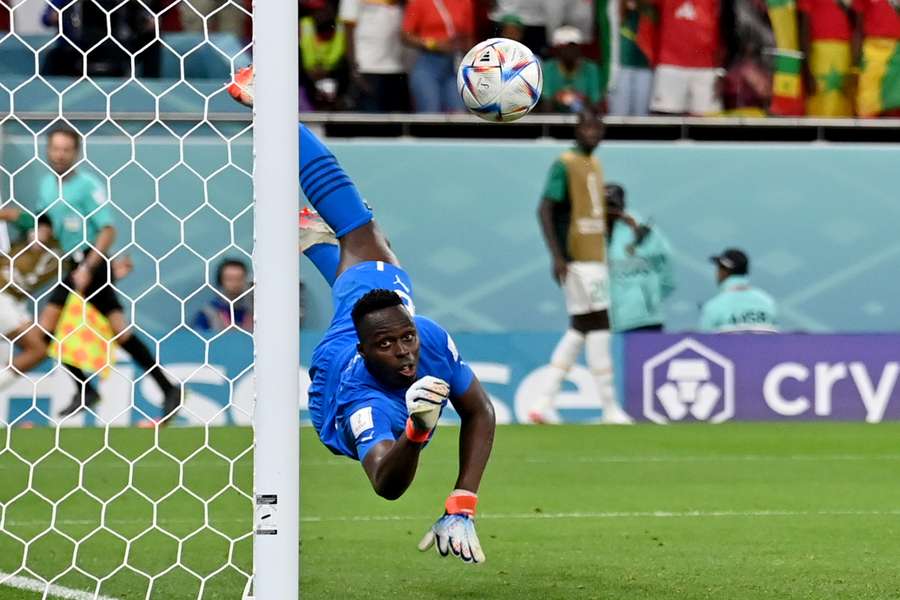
(476, 435)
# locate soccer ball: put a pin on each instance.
(241, 89)
(500, 80)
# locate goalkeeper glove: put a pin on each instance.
(424, 400)
(455, 531)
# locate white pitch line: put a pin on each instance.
(631, 459)
(52, 590)
(720, 458)
(655, 514)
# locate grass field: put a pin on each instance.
(731, 511)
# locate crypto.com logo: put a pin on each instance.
(688, 381)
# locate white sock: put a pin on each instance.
(564, 356)
(7, 377)
(599, 362)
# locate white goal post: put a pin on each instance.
(276, 265)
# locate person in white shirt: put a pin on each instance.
(376, 54)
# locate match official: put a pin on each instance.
(738, 307)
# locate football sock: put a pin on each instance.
(328, 187)
(597, 351)
(142, 357)
(326, 258)
(564, 356)
(82, 379)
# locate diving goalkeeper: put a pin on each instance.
(381, 375)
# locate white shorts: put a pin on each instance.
(681, 90)
(12, 314)
(586, 287)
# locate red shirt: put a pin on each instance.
(827, 20)
(689, 33)
(425, 19)
(879, 18)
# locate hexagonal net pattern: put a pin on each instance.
(126, 300)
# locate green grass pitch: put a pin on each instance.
(685, 512)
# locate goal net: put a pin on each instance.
(101, 496)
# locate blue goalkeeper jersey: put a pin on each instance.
(350, 409)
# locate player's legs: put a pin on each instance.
(20, 330)
(564, 357)
(337, 200)
(587, 300)
(597, 344)
(139, 352)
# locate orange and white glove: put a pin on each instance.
(241, 88)
(424, 400)
(455, 531)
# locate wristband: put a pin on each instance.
(461, 502)
(415, 435)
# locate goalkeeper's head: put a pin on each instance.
(388, 339)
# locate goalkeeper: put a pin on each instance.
(381, 376)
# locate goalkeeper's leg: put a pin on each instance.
(336, 198)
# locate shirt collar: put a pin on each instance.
(733, 281)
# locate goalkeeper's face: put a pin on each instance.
(389, 343)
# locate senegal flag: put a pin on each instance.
(84, 334)
(879, 78)
(787, 83)
(607, 13)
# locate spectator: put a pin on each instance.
(695, 43)
(571, 82)
(738, 306)
(533, 15)
(216, 15)
(512, 28)
(572, 219)
(232, 306)
(574, 13)
(630, 91)
(878, 91)
(109, 45)
(640, 267)
(440, 30)
(826, 29)
(375, 54)
(323, 46)
(747, 88)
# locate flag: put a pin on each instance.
(608, 42)
(787, 81)
(84, 334)
(648, 34)
(879, 80)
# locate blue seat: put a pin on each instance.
(17, 53)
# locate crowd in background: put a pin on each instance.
(109, 32)
(826, 58)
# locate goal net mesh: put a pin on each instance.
(106, 502)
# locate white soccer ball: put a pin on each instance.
(500, 80)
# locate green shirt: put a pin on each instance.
(738, 307)
(78, 212)
(584, 80)
(630, 54)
